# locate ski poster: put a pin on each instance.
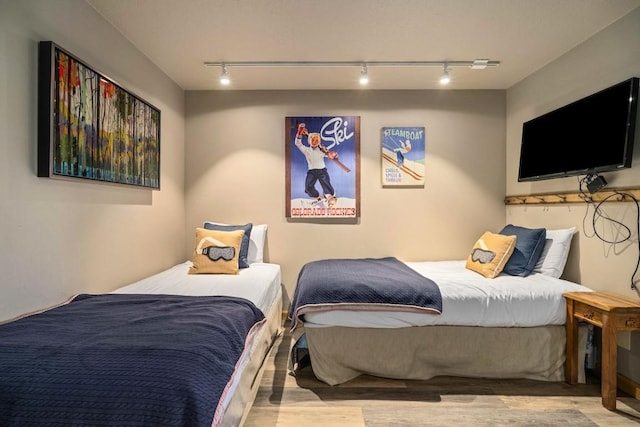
(403, 156)
(322, 167)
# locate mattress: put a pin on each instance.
(260, 284)
(468, 299)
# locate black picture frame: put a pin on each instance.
(91, 128)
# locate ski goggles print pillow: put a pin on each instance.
(216, 252)
(490, 253)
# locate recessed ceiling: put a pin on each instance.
(179, 36)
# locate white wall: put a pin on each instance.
(57, 237)
(235, 152)
(610, 57)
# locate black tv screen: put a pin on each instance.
(591, 135)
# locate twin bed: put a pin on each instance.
(505, 326)
(259, 284)
(172, 349)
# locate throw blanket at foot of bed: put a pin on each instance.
(118, 359)
(362, 284)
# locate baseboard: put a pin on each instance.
(629, 386)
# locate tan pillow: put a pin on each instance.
(490, 254)
(216, 251)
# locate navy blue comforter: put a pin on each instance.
(116, 360)
(362, 284)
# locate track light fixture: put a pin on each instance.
(364, 75)
(224, 76)
(445, 78)
(477, 64)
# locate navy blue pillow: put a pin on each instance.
(529, 245)
(244, 246)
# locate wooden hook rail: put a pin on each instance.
(612, 195)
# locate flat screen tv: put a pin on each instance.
(591, 135)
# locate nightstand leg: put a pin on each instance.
(571, 363)
(609, 361)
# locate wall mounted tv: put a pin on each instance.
(591, 135)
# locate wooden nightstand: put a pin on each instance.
(610, 312)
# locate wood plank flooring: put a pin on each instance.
(303, 401)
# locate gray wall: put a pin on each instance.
(61, 237)
(235, 152)
(610, 57)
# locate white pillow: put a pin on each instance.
(555, 253)
(256, 241)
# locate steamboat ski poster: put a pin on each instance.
(322, 167)
(403, 156)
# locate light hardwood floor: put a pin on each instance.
(303, 401)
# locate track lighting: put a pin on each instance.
(364, 75)
(477, 64)
(445, 78)
(224, 76)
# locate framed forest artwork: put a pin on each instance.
(322, 167)
(91, 128)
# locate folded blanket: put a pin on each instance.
(362, 284)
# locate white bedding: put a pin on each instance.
(469, 299)
(260, 283)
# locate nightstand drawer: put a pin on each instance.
(588, 312)
(628, 322)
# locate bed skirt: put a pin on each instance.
(339, 354)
